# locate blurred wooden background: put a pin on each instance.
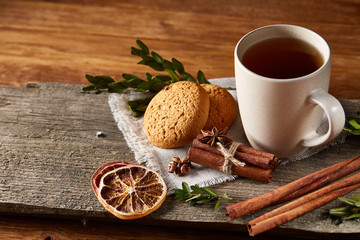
(62, 40)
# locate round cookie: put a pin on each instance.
(223, 107)
(176, 115)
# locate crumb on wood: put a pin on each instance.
(100, 134)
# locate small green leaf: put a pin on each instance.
(147, 59)
(157, 57)
(89, 88)
(354, 124)
(210, 191)
(118, 84)
(142, 62)
(179, 193)
(188, 77)
(99, 81)
(177, 65)
(200, 195)
(157, 84)
(201, 77)
(103, 81)
(355, 215)
(356, 197)
(163, 78)
(347, 201)
(142, 46)
(137, 106)
(168, 65)
(340, 211)
(196, 189)
(138, 52)
(154, 65)
(148, 77)
(217, 204)
(128, 76)
(104, 78)
(205, 200)
(193, 197)
(145, 85)
(185, 187)
(90, 78)
(173, 75)
(355, 132)
(133, 83)
(350, 211)
(116, 90)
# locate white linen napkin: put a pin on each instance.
(158, 159)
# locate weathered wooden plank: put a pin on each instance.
(49, 150)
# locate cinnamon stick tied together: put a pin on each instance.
(248, 155)
(295, 189)
(259, 165)
(229, 157)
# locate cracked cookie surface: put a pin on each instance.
(175, 116)
(223, 107)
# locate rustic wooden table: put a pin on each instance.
(61, 41)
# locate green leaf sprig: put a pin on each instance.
(199, 195)
(350, 210)
(352, 126)
(152, 83)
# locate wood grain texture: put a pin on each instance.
(49, 151)
(60, 41)
(30, 228)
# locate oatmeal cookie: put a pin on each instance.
(223, 107)
(176, 115)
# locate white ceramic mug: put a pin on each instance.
(282, 116)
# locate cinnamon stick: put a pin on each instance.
(245, 154)
(303, 205)
(295, 188)
(216, 161)
(352, 166)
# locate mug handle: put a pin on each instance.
(334, 113)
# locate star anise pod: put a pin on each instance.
(214, 136)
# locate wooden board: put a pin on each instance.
(49, 150)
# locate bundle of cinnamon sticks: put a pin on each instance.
(259, 165)
(295, 189)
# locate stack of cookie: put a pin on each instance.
(177, 114)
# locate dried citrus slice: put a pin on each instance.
(96, 177)
(130, 191)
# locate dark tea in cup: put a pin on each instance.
(282, 75)
(282, 58)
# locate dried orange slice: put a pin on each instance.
(129, 191)
(96, 177)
